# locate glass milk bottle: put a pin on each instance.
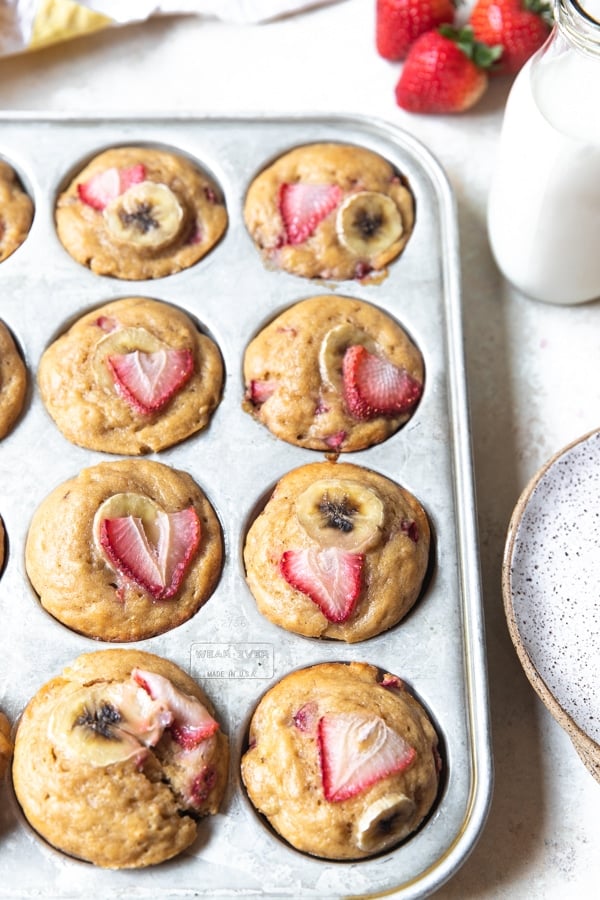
(544, 203)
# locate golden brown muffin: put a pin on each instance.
(339, 551)
(13, 382)
(333, 374)
(342, 760)
(5, 744)
(16, 211)
(140, 212)
(133, 376)
(124, 550)
(332, 211)
(116, 759)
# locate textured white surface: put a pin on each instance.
(533, 369)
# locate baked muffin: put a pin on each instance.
(16, 211)
(131, 377)
(117, 758)
(332, 374)
(342, 760)
(140, 212)
(13, 381)
(332, 211)
(5, 744)
(339, 551)
(124, 550)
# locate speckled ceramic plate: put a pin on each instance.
(551, 588)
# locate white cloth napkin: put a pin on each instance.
(240, 11)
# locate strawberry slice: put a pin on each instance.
(375, 387)
(147, 381)
(357, 751)
(304, 206)
(191, 722)
(260, 391)
(329, 576)
(157, 568)
(105, 186)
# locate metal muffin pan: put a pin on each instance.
(227, 646)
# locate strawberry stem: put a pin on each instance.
(481, 54)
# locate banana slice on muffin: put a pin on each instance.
(118, 758)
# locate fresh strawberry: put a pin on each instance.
(147, 381)
(304, 206)
(375, 387)
(398, 23)
(157, 568)
(445, 71)
(329, 576)
(105, 186)
(356, 751)
(191, 723)
(519, 26)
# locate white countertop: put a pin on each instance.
(533, 369)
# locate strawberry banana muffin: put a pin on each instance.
(133, 376)
(333, 374)
(338, 551)
(332, 211)
(125, 550)
(118, 757)
(342, 760)
(13, 382)
(16, 211)
(138, 212)
(5, 744)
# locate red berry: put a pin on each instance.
(303, 206)
(356, 751)
(330, 577)
(105, 186)
(375, 387)
(444, 72)
(398, 23)
(520, 26)
(147, 381)
(158, 569)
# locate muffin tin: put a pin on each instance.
(227, 646)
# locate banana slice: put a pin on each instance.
(122, 340)
(368, 222)
(385, 822)
(334, 345)
(148, 215)
(129, 504)
(103, 724)
(342, 513)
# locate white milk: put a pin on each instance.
(544, 204)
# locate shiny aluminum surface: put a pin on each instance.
(236, 654)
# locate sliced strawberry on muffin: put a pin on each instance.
(147, 381)
(154, 554)
(356, 751)
(329, 576)
(375, 387)
(303, 206)
(100, 189)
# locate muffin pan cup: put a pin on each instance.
(233, 652)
